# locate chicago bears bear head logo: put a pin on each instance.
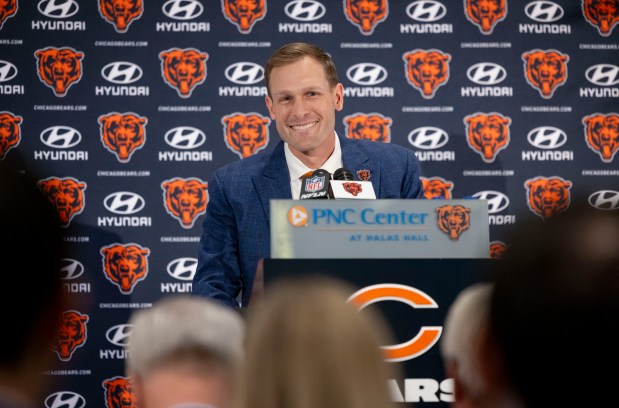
(244, 13)
(453, 220)
(364, 175)
(7, 9)
(427, 70)
(352, 188)
(119, 393)
(366, 14)
(125, 265)
(373, 126)
(72, 334)
(121, 13)
(67, 196)
(436, 187)
(485, 13)
(545, 70)
(246, 134)
(10, 132)
(497, 248)
(123, 134)
(487, 134)
(185, 199)
(602, 134)
(547, 196)
(59, 68)
(183, 70)
(602, 14)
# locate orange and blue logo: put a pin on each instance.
(121, 13)
(123, 134)
(453, 220)
(185, 199)
(372, 126)
(602, 134)
(545, 70)
(426, 70)
(183, 69)
(67, 196)
(10, 132)
(125, 265)
(8, 8)
(71, 334)
(547, 196)
(59, 68)
(485, 14)
(244, 13)
(487, 134)
(246, 133)
(119, 393)
(436, 187)
(366, 14)
(601, 14)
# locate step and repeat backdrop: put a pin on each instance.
(124, 108)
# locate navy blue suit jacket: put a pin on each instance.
(236, 229)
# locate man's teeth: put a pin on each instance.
(301, 127)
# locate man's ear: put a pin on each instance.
(338, 93)
(269, 103)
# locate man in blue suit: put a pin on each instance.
(303, 95)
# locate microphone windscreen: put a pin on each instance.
(342, 174)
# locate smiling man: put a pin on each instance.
(304, 94)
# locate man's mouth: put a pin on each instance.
(304, 126)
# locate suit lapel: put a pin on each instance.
(355, 159)
(274, 181)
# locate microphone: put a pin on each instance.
(316, 185)
(343, 186)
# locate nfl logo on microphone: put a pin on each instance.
(315, 183)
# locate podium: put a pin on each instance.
(410, 258)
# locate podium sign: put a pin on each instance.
(386, 228)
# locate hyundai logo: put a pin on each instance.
(426, 11)
(65, 399)
(305, 10)
(121, 72)
(183, 268)
(58, 8)
(244, 73)
(547, 137)
(185, 137)
(119, 335)
(60, 137)
(605, 200)
(366, 74)
(8, 71)
(182, 9)
(486, 73)
(603, 74)
(497, 202)
(71, 268)
(428, 138)
(543, 11)
(124, 203)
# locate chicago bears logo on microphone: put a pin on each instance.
(352, 188)
(8, 8)
(547, 196)
(602, 134)
(119, 393)
(67, 196)
(59, 68)
(10, 132)
(545, 70)
(453, 220)
(487, 134)
(71, 335)
(366, 14)
(372, 126)
(125, 265)
(436, 187)
(244, 13)
(485, 13)
(121, 13)
(183, 69)
(426, 70)
(185, 199)
(602, 14)
(123, 134)
(246, 134)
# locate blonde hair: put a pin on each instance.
(308, 347)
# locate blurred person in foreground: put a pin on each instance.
(303, 96)
(184, 352)
(308, 347)
(463, 348)
(32, 249)
(554, 312)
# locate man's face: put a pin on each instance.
(303, 106)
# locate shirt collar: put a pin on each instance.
(296, 168)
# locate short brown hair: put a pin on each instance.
(293, 52)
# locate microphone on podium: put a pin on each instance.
(343, 186)
(315, 185)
